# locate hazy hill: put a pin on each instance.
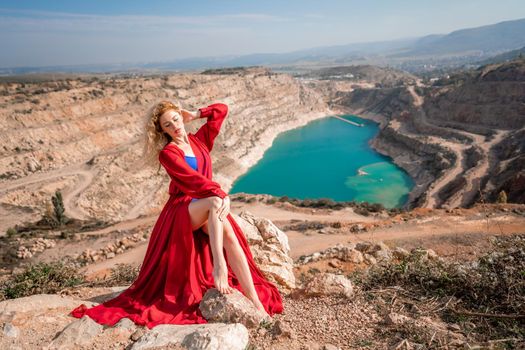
(505, 57)
(491, 38)
(452, 49)
(383, 76)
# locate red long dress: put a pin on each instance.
(177, 268)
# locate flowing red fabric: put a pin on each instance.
(177, 268)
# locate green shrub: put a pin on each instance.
(502, 197)
(48, 278)
(58, 209)
(271, 201)
(10, 232)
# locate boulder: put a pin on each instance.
(230, 308)
(328, 284)
(78, 333)
(269, 247)
(40, 302)
(212, 336)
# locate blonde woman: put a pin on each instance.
(195, 244)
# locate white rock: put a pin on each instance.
(211, 336)
(126, 324)
(369, 259)
(269, 248)
(382, 255)
(230, 308)
(400, 253)
(40, 302)
(351, 255)
(11, 331)
(328, 284)
(78, 333)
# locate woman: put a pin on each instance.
(192, 247)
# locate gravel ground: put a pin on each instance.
(319, 323)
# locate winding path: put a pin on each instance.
(83, 171)
(472, 175)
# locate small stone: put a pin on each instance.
(334, 263)
(382, 255)
(364, 247)
(11, 331)
(380, 246)
(395, 319)
(369, 259)
(400, 253)
(137, 334)
(352, 255)
(330, 347)
(454, 327)
(281, 329)
(431, 254)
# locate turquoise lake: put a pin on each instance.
(322, 159)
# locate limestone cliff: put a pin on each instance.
(461, 139)
(82, 135)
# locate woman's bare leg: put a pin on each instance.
(239, 264)
(205, 211)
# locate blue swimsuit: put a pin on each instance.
(192, 161)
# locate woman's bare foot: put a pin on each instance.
(258, 305)
(220, 278)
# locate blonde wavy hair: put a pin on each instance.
(154, 138)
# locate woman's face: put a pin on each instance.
(172, 124)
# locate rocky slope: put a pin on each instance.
(82, 136)
(459, 139)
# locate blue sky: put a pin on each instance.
(44, 33)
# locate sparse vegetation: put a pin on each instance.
(231, 70)
(55, 277)
(49, 278)
(362, 208)
(502, 197)
(11, 232)
(488, 293)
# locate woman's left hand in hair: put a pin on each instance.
(187, 116)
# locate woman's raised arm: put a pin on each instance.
(216, 113)
(187, 179)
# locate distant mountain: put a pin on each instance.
(493, 38)
(504, 57)
(438, 50)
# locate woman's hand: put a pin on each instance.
(224, 209)
(187, 116)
